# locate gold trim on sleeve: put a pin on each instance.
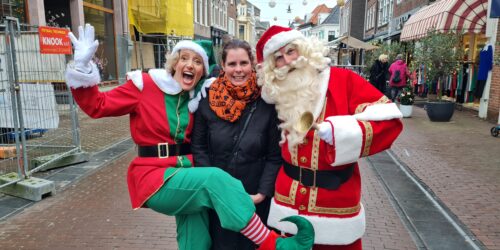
(368, 138)
(362, 106)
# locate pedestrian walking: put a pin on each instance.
(399, 74)
(379, 72)
(160, 105)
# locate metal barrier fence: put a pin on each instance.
(38, 118)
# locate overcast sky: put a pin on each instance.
(280, 10)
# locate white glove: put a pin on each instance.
(85, 47)
(325, 132)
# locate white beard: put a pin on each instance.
(294, 93)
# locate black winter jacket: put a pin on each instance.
(258, 158)
(256, 161)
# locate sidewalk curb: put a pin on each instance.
(66, 176)
(421, 238)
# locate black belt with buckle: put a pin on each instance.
(329, 179)
(164, 150)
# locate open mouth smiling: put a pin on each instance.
(188, 76)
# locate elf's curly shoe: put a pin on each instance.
(303, 240)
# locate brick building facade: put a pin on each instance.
(494, 101)
(407, 6)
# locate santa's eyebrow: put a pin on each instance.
(277, 53)
(290, 46)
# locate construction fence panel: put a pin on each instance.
(38, 117)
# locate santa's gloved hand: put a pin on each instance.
(325, 130)
(85, 47)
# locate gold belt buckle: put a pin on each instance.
(160, 155)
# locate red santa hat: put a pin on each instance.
(273, 39)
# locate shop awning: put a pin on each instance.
(352, 42)
(467, 16)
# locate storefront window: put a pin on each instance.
(103, 3)
(105, 56)
(15, 8)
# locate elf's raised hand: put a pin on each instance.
(85, 46)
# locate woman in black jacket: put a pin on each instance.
(379, 72)
(237, 131)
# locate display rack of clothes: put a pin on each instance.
(485, 65)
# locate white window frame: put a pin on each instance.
(205, 10)
(195, 10)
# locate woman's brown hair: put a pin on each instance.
(237, 44)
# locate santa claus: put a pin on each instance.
(320, 179)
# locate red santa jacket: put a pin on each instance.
(158, 113)
(365, 122)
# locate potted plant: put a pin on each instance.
(406, 100)
(440, 54)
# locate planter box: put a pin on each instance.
(406, 110)
(440, 111)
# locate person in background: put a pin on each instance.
(379, 72)
(399, 74)
(160, 104)
(237, 131)
(320, 177)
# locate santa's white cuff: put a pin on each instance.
(76, 79)
(379, 112)
(347, 139)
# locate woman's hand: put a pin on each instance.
(85, 47)
(257, 198)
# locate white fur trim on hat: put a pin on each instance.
(186, 44)
(347, 139)
(279, 40)
(195, 100)
(136, 77)
(76, 79)
(327, 230)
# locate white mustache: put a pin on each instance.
(298, 63)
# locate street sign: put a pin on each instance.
(54, 40)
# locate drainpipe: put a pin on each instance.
(491, 33)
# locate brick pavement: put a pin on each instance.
(459, 161)
(384, 229)
(94, 213)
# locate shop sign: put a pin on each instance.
(54, 40)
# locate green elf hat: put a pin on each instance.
(199, 91)
(209, 49)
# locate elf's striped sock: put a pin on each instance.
(255, 230)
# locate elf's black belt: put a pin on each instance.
(329, 179)
(164, 150)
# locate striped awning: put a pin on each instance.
(467, 16)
